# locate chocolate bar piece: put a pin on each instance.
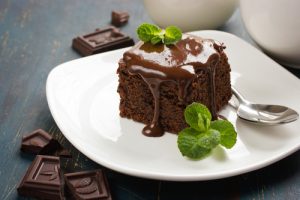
(41, 142)
(63, 153)
(100, 41)
(88, 185)
(42, 179)
(119, 18)
(35, 141)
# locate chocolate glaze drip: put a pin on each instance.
(153, 129)
(211, 73)
(177, 63)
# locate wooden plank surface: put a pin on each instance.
(35, 36)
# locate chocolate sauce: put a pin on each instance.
(153, 129)
(177, 63)
(211, 73)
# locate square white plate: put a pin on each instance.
(83, 99)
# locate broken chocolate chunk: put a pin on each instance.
(51, 148)
(119, 18)
(63, 153)
(88, 185)
(100, 41)
(42, 179)
(35, 141)
(41, 142)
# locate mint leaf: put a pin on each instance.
(188, 144)
(156, 39)
(147, 31)
(203, 122)
(197, 116)
(227, 131)
(196, 145)
(172, 35)
(209, 139)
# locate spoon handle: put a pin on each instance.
(238, 95)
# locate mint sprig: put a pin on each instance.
(152, 33)
(203, 135)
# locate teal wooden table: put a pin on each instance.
(35, 36)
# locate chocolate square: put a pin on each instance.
(100, 41)
(42, 179)
(119, 18)
(88, 185)
(35, 141)
(41, 142)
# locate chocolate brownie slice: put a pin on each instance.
(157, 82)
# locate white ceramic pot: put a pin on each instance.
(275, 26)
(190, 14)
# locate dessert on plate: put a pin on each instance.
(158, 81)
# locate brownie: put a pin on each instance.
(159, 81)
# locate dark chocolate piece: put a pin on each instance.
(88, 185)
(40, 142)
(119, 18)
(42, 179)
(51, 148)
(35, 141)
(100, 41)
(63, 153)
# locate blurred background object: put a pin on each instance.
(275, 26)
(190, 15)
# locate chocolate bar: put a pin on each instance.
(42, 179)
(119, 18)
(88, 185)
(100, 41)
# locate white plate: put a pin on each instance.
(84, 102)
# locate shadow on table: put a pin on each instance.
(278, 180)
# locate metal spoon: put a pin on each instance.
(263, 113)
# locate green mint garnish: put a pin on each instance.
(197, 116)
(189, 144)
(198, 140)
(226, 129)
(147, 31)
(151, 33)
(156, 39)
(172, 35)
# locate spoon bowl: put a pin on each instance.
(264, 113)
